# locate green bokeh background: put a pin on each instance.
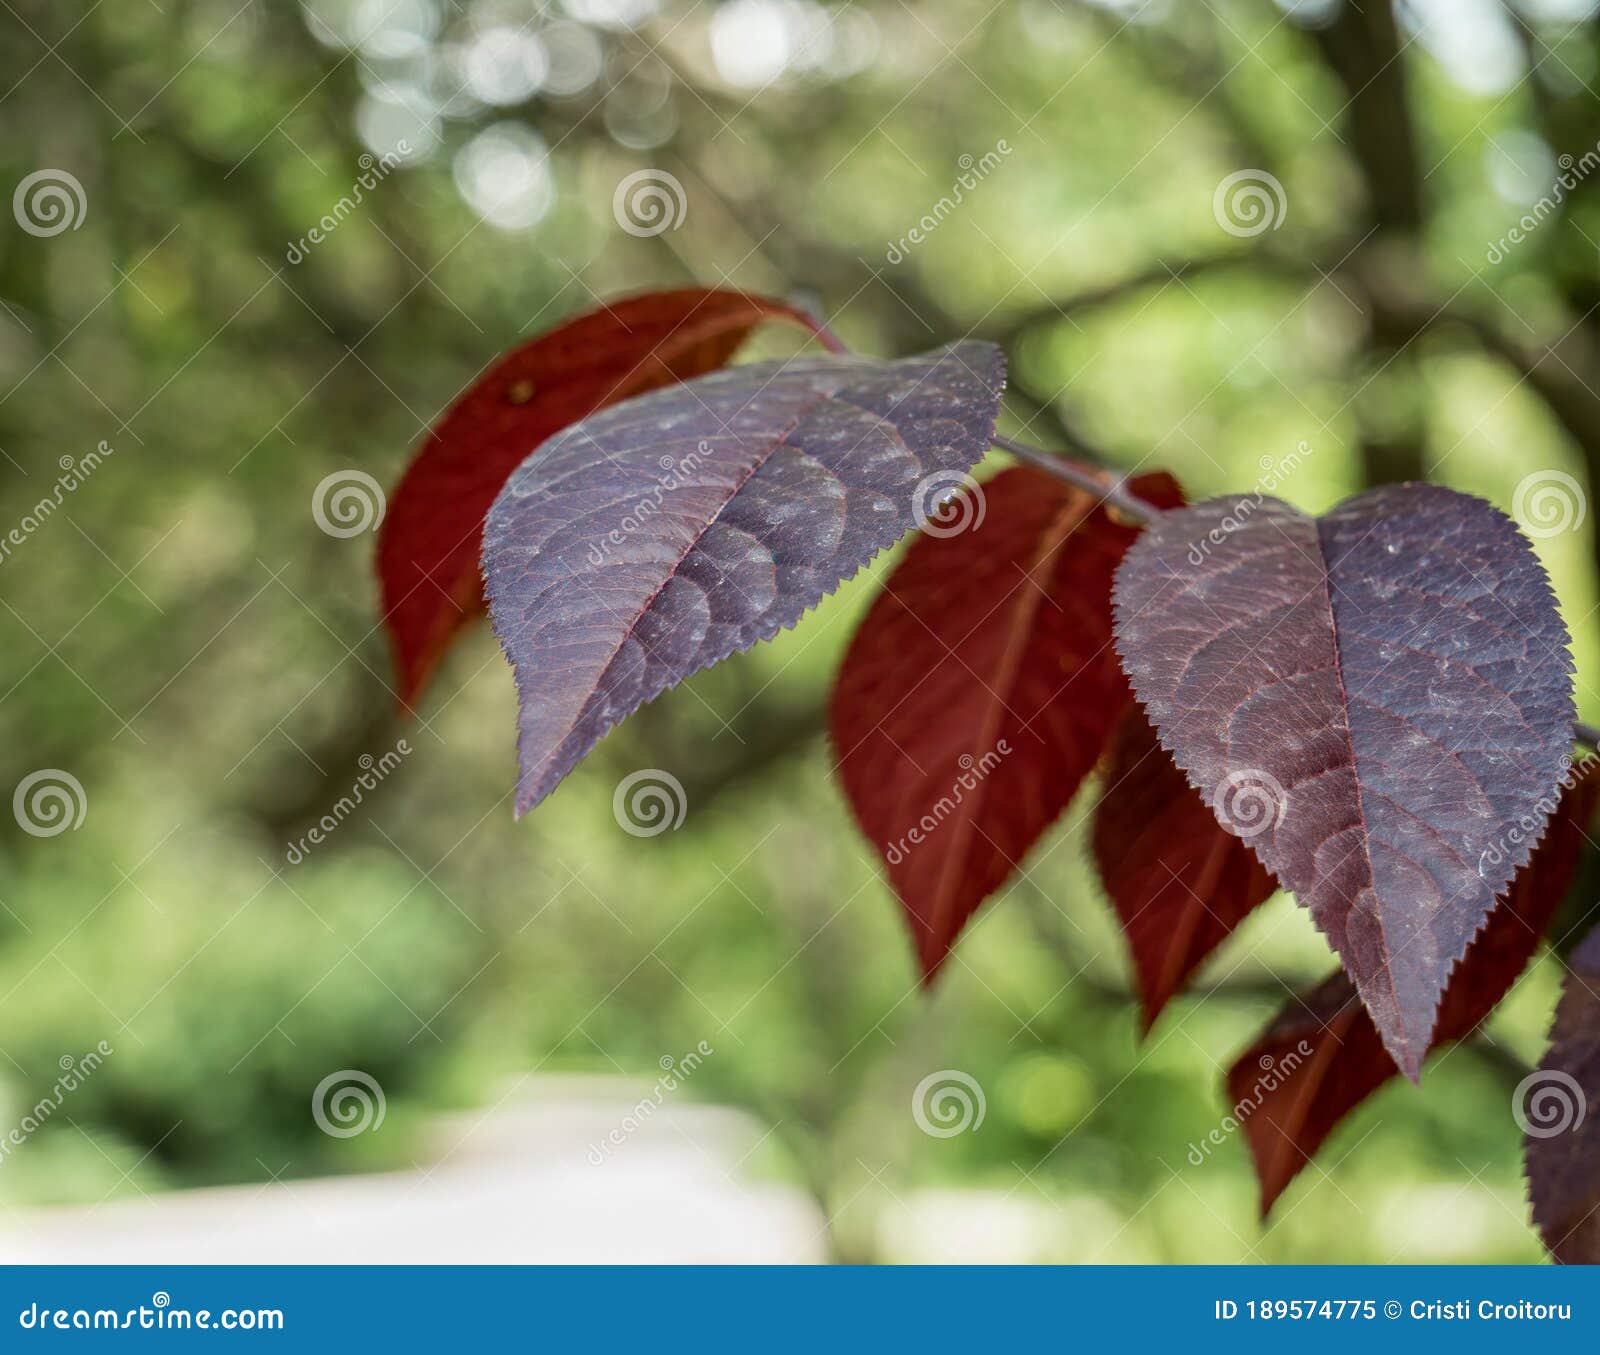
(183, 640)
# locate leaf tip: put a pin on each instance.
(1408, 1054)
(931, 956)
(409, 684)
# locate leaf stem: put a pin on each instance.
(1113, 489)
(1106, 485)
(826, 337)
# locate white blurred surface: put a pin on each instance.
(515, 1184)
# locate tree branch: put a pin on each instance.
(1108, 486)
(1362, 49)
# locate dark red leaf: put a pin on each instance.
(662, 535)
(979, 691)
(1376, 698)
(1559, 1110)
(1322, 1054)
(432, 533)
(1179, 883)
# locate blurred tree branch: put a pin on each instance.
(1362, 48)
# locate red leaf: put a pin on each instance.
(1325, 1054)
(431, 536)
(1179, 882)
(979, 691)
(1559, 1110)
(1375, 698)
(658, 537)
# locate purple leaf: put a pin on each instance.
(665, 533)
(1323, 1050)
(1378, 700)
(1558, 1108)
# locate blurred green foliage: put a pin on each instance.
(182, 639)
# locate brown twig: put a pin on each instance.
(1106, 485)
